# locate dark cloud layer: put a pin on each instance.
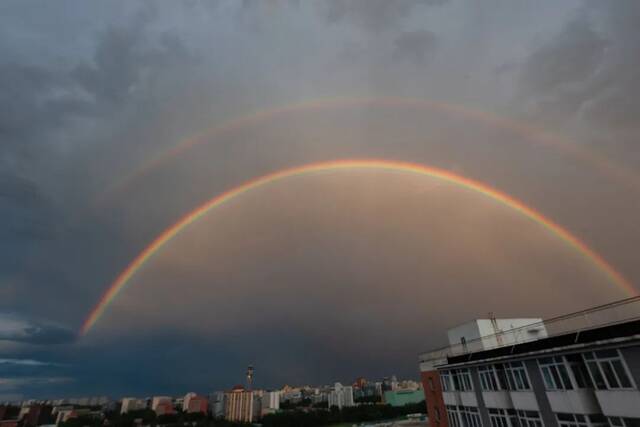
(585, 72)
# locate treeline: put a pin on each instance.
(354, 414)
(148, 417)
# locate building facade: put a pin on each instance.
(238, 405)
(572, 373)
(341, 396)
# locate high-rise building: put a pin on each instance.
(238, 405)
(577, 370)
(341, 396)
(216, 403)
(269, 402)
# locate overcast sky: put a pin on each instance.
(318, 278)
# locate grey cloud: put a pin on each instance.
(22, 330)
(373, 15)
(586, 73)
(416, 46)
(24, 362)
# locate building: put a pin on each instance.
(216, 404)
(341, 396)
(193, 404)
(238, 405)
(36, 415)
(401, 397)
(162, 405)
(577, 370)
(132, 404)
(269, 402)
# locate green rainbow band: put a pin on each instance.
(571, 240)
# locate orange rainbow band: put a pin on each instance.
(532, 134)
(574, 242)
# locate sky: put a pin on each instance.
(316, 278)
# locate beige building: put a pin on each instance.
(238, 405)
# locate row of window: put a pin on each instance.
(464, 416)
(603, 369)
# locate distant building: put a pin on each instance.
(401, 397)
(238, 405)
(216, 404)
(195, 404)
(132, 404)
(341, 396)
(37, 415)
(577, 370)
(157, 400)
(269, 402)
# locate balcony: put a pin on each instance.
(466, 398)
(497, 399)
(619, 403)
(524, 400)
(581, 401)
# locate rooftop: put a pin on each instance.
(615, 319)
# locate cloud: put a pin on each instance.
(415, 46)
(584, 74)
(21, 330)
(24, 362)
(372, 15)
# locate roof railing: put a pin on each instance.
(615, 312)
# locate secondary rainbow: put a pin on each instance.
(532, 134)
(138, 262)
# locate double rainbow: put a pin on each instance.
(139, 261)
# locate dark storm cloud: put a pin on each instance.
(22, 330)
(415, 46)
(586, 71)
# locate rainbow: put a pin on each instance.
(532, 134)
(156, 245)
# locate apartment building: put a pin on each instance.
(577, 370)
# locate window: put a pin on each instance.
(431, 387)
(445, 378)
(463, 416)
(624, 422)
(517, 376)
(465, 380)
(579, 420)
(456, 379)
(437, 414)
(470, 416)
(579, 371)
(503, 417)
(530, 419)
(555, 373)
(608, 370)
(452, 415)
(488, 379)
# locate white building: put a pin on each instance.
(485, 334)
(216, 404)
(270, 402)
(187, 400)
(132, 404)
(341, 396)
